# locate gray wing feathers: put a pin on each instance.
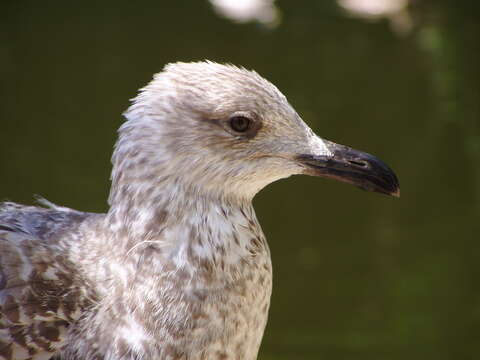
(40, 290)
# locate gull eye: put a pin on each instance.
(240, 123)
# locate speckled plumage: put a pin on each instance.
(179, 267)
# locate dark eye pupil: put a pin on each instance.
(240, 123)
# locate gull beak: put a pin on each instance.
(352, 166)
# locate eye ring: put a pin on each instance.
(240, 123)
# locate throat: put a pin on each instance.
(187, 226)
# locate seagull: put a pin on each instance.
(178, 268)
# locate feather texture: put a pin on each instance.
(178, 268)
(41, 291)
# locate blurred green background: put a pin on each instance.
(356, 275)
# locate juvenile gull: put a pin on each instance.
(179, 267)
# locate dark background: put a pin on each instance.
(356, 275)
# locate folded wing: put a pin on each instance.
(41, 293)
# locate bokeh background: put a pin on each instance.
(356, 275)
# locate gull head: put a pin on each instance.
(222, 130)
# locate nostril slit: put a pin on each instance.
(358, 163)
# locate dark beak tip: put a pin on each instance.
(355, 167)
